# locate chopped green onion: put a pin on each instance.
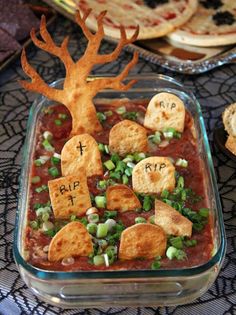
(101, 147)
(106, 148)
(173, 252)
(108, 113)
(53, 171)
(100, 201)
(42, 211)
(156, 265)
(38, 162)
(109, 165)
(58, 122)
(115, 175)
(165, 193)
(180, 183)
(111, 223)
(204, 212)
(47, 135)
(102, 230)
(55, 160)
(50, 232)
(62, 116)
(151, 219)
(120, 166)
(125, 179)
(92, 228)
(47, 145)
(41, 188)
(98, 260)
(102, 184)
(45, 216)
(156, 138)
(48, 111)
(34, 225)
(139, 156)
(198, 226)
(130, 115)
(140, 220)
(147, 203)
(84, 221)
(190, 243)
(47, 226)
(35, 179)
(128, 171)
(181, 162)
(128, 158)
(168, 134)
(101, 116)
(176, 242)
(110, 214)
(115, 158)
(73, 217)
(121, 110)
(131, 164)
(93, 218)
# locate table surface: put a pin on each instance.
(214, 90)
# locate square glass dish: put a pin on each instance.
(124, 287)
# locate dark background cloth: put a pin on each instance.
(214, 90)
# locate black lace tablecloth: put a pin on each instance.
(214, 90)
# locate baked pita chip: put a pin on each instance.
(121, 198)
(128, 137)
(81, 151)
(142, 240)
(71, 241)
(172, 222)
(230, 144)
(153, 175)
(165, 110)
(69, 195)
(229, 119)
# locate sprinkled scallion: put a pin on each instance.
(34, 225)
(47, 135)
(151, 219)
(181, 162)
(98, 260)
(47, 226)
(156, 138)
(147, 203)
(121, 110)
(92, 228)
(101, 147)
(93, 218)
(35, 179)
(101, 117)
(156, 265)
(110, 214)
(106, 149)
(41, 188)
(128, 171)
(173, 252)
(53, 171)
(176, 242)
(102, 184)
(125, 179)
(115, 158)
(102, 230)
(140, 220)
(111, 223)
(57, 122)
(130, 115)
(47, 145)
(109, 165)
(190, 243)
(204, 212)
(62, 116)
(180, 183)
(139, 156)
(108, 113)
(100, 201)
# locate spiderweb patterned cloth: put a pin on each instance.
(214, 90)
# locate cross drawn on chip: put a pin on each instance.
(78, 92)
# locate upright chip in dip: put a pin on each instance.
(106, 169)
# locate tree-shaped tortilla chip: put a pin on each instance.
(128, 137)
(72, 240)
(121, 198)
(142, 240)
(172, 222)
(153, 175)
(165, 110)
(81, 151)
(69, 195)
(78, 93)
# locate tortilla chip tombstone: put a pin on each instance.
(165, 110)
(121, 198)
(71, 241)
(153, 175)
(69, 195)
(172, 222)
(81, 151)
(127, 137)
(142, 240)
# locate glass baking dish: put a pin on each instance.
(124, 287)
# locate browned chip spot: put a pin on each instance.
(153, 175)
(81, 151)
(165, 110)
(121, 198)
(128, 137)
(172, 222)
(69, 195)
(71, 241)
(142, 240)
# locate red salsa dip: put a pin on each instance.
(189, 196)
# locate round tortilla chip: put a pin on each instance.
(121, 198)
(128, 137)
(81, 151)
(165, 110)
(229, 119)
(142, 240)
(153, 175)
(71, 241)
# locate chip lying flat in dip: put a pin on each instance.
(115, 184)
